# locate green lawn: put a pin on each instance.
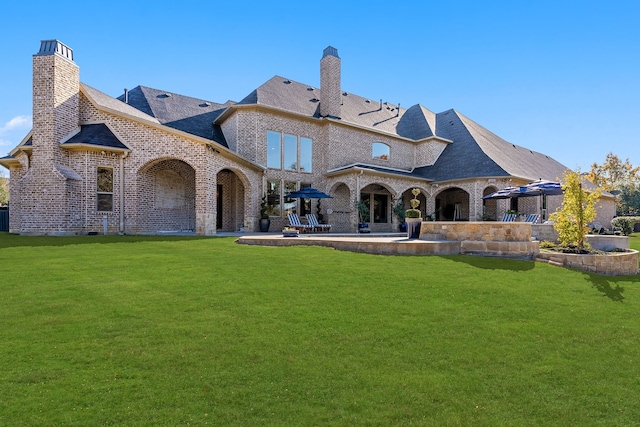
(203, 331)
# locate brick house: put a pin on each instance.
(152, 161)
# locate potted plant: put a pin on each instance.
(265, 222)
(413, 218)
(319, 213)
(398, 210)
(363, 217)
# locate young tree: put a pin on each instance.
(613, 173)
(577, 210)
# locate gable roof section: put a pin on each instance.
(417, 123)
(514, 159)
(287, 95)
(190, 115)
(477, 152)
(98, 135)
(112, 104)
(284, 94)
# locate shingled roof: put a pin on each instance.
(287, 95)
(477, 152)
(98, 135)
(191, 115)
(473, 152)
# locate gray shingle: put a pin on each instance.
(96, 134)
(474, 151)
(191, 115)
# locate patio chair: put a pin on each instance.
(294, 222)
(313, 221)
(509, 217)
(532, 218)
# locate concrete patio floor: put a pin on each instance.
(373, 243)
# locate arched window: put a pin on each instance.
(380, 151)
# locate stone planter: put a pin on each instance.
(413, 227)
(609, 264)
(264, 224)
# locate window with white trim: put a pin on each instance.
(104, 189)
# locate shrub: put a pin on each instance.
(625, 224)
(414, 212)
(545, 244)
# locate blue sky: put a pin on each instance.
(558, 77)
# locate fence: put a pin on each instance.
(4, 220)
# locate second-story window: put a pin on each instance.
(274, 150)
(289, 152)
(380, 151)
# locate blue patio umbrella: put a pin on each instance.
(534, 188)
(309, 193)
(541, 188)
(505, 193)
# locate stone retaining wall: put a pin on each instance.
(503, 239)
(610, 264)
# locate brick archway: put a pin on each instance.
(166, 197)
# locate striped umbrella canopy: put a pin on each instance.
(532, 189)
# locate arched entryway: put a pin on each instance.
(489, 206)
(452, 204)
(166, 197)
(230, 194)
(377, 198)
(341, 208)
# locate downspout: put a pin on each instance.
(124, 155)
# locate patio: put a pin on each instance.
(499, 239)
(508, 240)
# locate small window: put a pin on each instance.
(273, 198)
(290, 205)
(380, 151)
(105, 189)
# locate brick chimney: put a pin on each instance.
(56, 88)
(50, 193)
(330, 94)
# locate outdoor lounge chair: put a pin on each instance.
(313, 221)
(532, 218)
(294, 222)
(509, 217)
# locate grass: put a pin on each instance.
(201, 331)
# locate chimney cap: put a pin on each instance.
(330, 51)
(51, 47)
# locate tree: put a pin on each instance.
(628, 200)
(613, 173)
(4, 190)
(577, 210)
